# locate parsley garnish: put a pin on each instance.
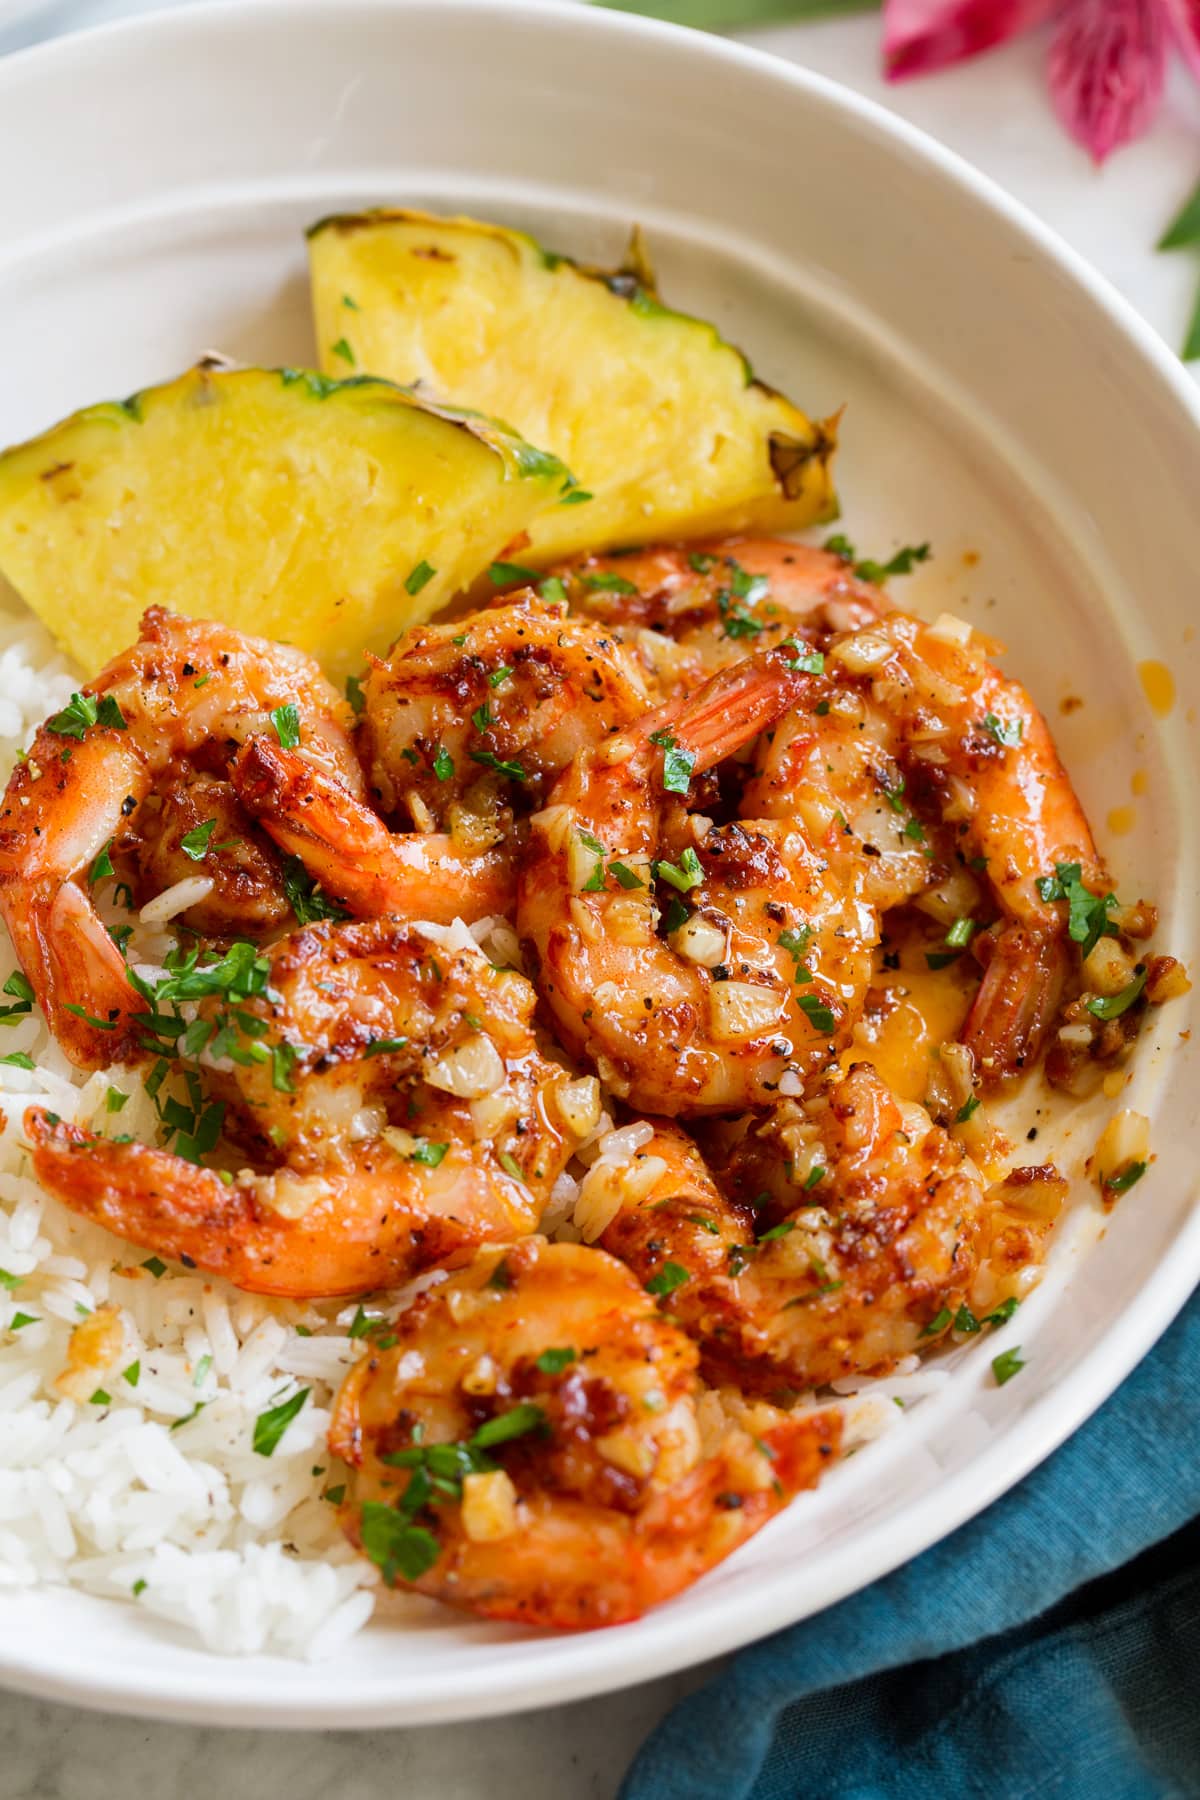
(443, 763)
(270, 1426)
(286, 720)
(156, 1266)
(20, 1319)
(625, 875)
(83, 710)
(490, 761)
(1087, 914)
(678, 763)
(607, 581)
(195, 843)
(1007, 1364)
(342, 349)
(354, 694)
(420, 577)
(939, 1322)
(817, 1013)
(1111, 1006)
(429, 1154)
(866, 570)
(968, 1107)
(553, 1362)
(504, 574)
(683, 875)
(1121, 1183)
(393, 1544)
(1008, 732)
(481, 718)
(102, 866)
(517, 1422)
(672, 1275)
(305, 896)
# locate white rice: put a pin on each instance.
(151, 1492)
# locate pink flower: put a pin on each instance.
(1108, 58)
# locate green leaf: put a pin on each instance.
(195, 843)
(678, 764)
(624, 875)
(508, 574)
(607, 581)
(342, 349)
(1007, 1364)
(1111, 1006)
(429, 1154)
(21, 1319)
(488, 760)
(817, 1013)
(355, 695)
(286, 720)
(394, 1545)
(938, 1323)
(270, 1426)
(420, 577)
(1008, 732)
(1184, 230)
(683, 875)
(517, 1422)
(306, 897)
(553, 1362)
(969, 1106)
(1131, 1173)
(19, 1059)
(672, 1275)
(102, 865)
(443, 763)
(156, 1267)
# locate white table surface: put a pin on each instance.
(995, 114)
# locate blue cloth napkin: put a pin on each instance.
(1050, 1647)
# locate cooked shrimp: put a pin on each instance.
(859, 1242)
(349, 850)
(689, 609)
(755, 983)
(467, 717)
(530, 1447)
(392, 1096)
(943, 771)
(187, 689)
(192, 824)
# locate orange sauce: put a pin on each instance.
(930, 1006)
(1158, 685)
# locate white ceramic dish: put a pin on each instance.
(1003, 402)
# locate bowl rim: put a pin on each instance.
(489, 1688)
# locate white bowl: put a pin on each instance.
(1002, 401)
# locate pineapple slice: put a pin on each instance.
(328, 513)
(661, 421)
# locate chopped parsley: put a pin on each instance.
(100, 1398)
(306, 897)
(114, 1100)
(817, 1013)
(672, 1275)
(18, 1059)
(553, 589)
(83, 710)
(419, 577)
(355, 695)
(968, 1107)
(517, 1422)
(553, 1362)
(814, 1175)
(395, 1545)
(286, 720)
(342, 349)
(500, 675)
(624, 875)
(19, 1321)
(1126, 1178)
(805, 661)
(678, 763)
(195, 843)
(270, 1426)
(1087, 913)
(677, 915)
(443, 763)
(1008, 732)
(683, 875)
(490, 761)
(607, 581)
(939, 1322)
(1111, 1006)
(429, 1154)
(481, 718)
(902, 563)
(505, 574)
(510, 1165)
(384, 1046)
(1007, 1364)
(102, 866)
(156, 1267)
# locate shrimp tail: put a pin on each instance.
(345, 1231)
(349, 850)
(1016, 1003)
(734, 706)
